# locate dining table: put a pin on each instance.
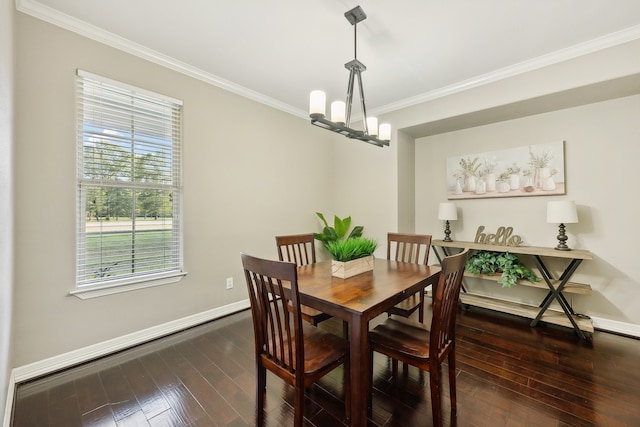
(357, 300)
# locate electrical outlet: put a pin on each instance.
(229, 282)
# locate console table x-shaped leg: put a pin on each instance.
(555, 293)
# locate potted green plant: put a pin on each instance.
(350, 249)
(351, 254)
(506, 264)
(338, 231)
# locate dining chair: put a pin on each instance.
(300, 250)
(413, 248)
(299, 355)
(425, 347)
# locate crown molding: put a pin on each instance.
(572, 52)
(55, 17)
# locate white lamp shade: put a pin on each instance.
(317, 101)
(448, 211)
(562, 212)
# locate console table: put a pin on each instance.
(556, 287)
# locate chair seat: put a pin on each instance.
(400, 335)
(407, 306)
(322, 351)
(312, 315)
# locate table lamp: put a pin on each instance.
(447, 212)
(562, 212)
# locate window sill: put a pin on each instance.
(127, 285)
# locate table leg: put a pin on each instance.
(360, 380)
(556, 293)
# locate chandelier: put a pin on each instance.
(340, 112)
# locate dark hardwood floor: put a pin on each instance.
(508, 375)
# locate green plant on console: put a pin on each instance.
(488, 262)
(350, 249)
(338, 231)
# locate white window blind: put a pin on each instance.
(128, 184)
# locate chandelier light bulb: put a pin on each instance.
(317, 102)
(384, 131)
(372, 125)
(338, 109)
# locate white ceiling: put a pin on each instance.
(278, 51)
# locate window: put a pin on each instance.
(129, 185)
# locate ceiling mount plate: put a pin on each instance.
(355, 15)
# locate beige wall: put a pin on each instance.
(250, 172)
(365, 187)
(601, 159)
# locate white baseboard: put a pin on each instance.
(616, 327)
(66, 360)
(56, 363)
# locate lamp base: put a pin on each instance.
(562, 239)
(447, 232)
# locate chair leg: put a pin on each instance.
(370, 387)
(435, 374)
(452, 382)
(261, 387)
(394, 369)
(298, 406)
(347, 388)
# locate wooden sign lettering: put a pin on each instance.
(502, 237)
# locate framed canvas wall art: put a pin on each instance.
(533, 170)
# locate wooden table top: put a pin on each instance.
(369, 293)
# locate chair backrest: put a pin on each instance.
(297, 248)
(413, 248)
(278, 336)
(445, 305)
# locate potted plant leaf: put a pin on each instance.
(351, 254)
(338, 231)
(506, 264)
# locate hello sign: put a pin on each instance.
(502, 237)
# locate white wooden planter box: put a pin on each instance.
(351, 268)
